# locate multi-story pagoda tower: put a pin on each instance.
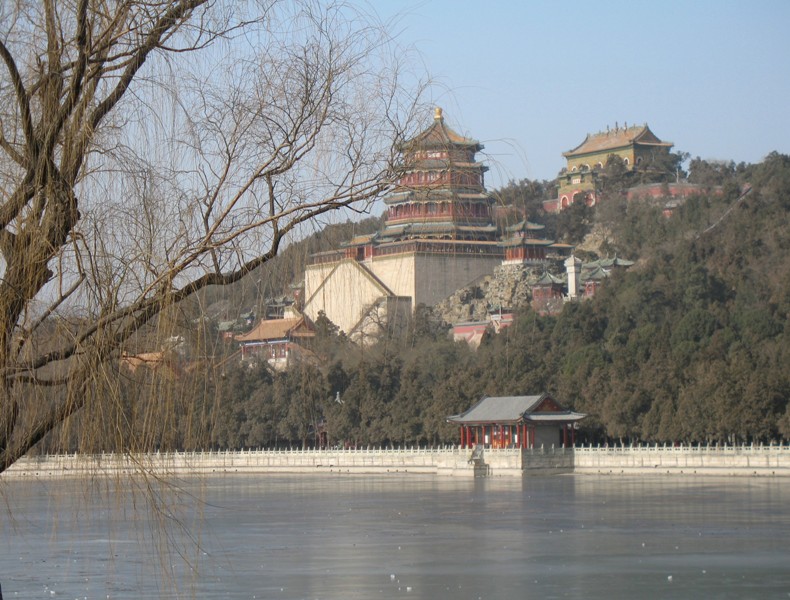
(439, 236)
(442, 194)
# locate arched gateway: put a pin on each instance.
(517, 422)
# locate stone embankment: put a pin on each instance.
(450, 461)
(771, 460)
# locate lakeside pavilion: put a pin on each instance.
(517, 422)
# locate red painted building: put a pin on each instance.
(517, 422)
(548, 294)
(275, 340)
(522, 244)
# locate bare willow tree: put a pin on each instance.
(151, 149)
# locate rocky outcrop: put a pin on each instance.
(596, 240)
(510, 286)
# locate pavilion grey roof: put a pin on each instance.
(562, 417)
(608, 263)
(504, 409)
(549, 279)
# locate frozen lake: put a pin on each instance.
(289, 537)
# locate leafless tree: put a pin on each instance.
(150, 149)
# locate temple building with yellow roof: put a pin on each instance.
(578, 180)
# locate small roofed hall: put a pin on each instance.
(276, 341)
(517, 422)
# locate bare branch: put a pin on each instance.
(147, 178)
(163, 26)
(22, 99)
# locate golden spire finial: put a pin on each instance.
(437, 113)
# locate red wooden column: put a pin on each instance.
(564, 435)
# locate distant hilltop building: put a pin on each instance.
(549, 293)
(277, 341)
(578, 180)
(439, 235)
(580, 281)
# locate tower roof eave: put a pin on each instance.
(439, 135)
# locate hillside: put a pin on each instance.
(691, 344)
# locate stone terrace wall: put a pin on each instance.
(449, 461)
(687, 460)
(445, 461)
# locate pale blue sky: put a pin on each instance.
(530, 79)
